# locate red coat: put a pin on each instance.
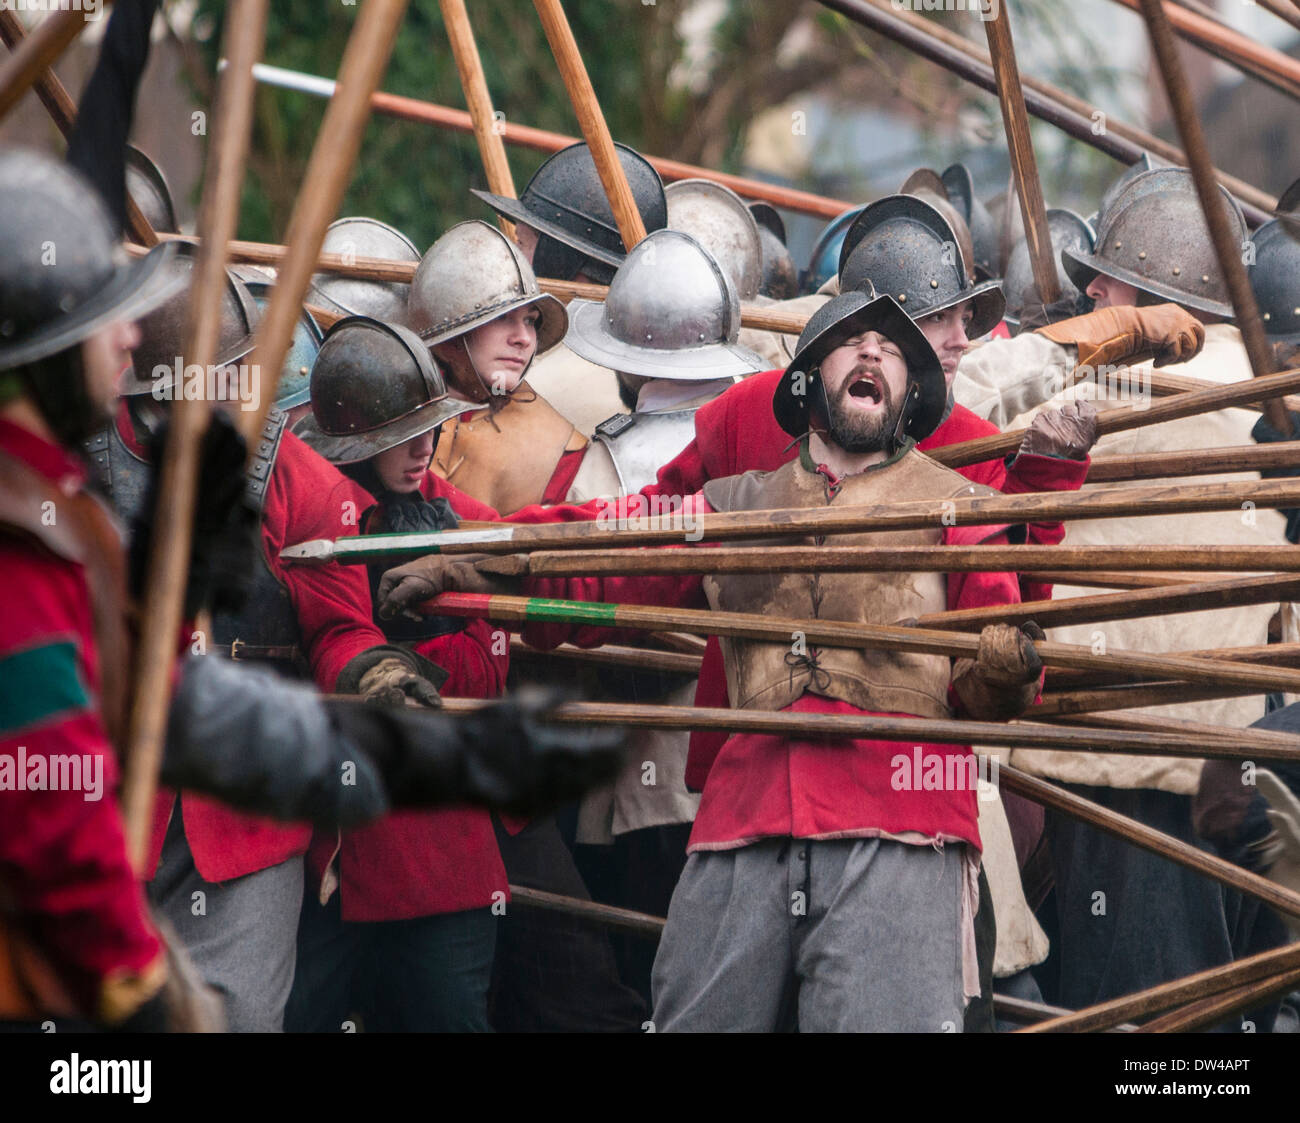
(306, 497)
(737, 432)
(64, 870)
(424, 863)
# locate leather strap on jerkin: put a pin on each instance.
(79, 529)
(505, 458)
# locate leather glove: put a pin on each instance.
(1129, 334)
(425, 578)
(389, 674)
(1002, 681)
(226, 525)
(1284, 814)
(1066, 433)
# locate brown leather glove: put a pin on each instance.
(1068, 432)
(1002, 681)
(391, 682)
(1130, 334)
(425, 578)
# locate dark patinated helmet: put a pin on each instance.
(1154, 237)
(565, 203)
(983, 233)
(824, 261)
(294, 386)
(163, 332)
(63, 274)
(1275, 277)
(374, 386)
(1067, 231)
(927, 186)
(358, 236)
(902, 246)
(1288, 209)
(780, 277)
(147, 186)
(839, 319)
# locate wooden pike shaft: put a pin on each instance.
(639, 922)
(1024, 167)
(1252, 196)
(1147, 723)
(592, 121)
(1264, 388)
(1135, 696)
(1202, 462)
(674, 527)
(903, 730)
(613, 655)
(542, 140)
(1226, 249)
(169, 552)
(36, 53)
(325, 180)
(1133, 605)
(838, 633)
(491, 148)
(1115, 579)
(871, 559)
(63, 111)
(1193, 988)
(1265, 63)
(1165, 383)
(1268, 654)
(1208, 1011)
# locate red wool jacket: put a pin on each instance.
(425, 863)
(306, 497)
(737, 432)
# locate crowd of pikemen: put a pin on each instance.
(318, 865)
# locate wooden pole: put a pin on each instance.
(542, 140)
(173, 521)
(1024, 167)
(1133, 696)
(1201, 462)
(1226, 248)
(491, 148)
(643, 924)
(324, 182)
(36, 53)
(1208, 1011)
(591, 120)
(840, 633)
(1136, 416)
(1259, 202)
(612, 655)
(63, 111)
(608, 529)
(1265, 63)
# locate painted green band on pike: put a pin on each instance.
(571, 612)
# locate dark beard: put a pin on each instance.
(859, 433)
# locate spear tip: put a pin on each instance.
(316, 552)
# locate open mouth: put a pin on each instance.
(866, 389)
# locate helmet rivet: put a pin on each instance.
(1295, 311)
(1177, 271)
(1269, 315)
(1142, 255)
(1205, 278)
(304, 370)
(1119, 245)
(67, 302)
(648, 337)
(701, 337)
(934, 284)
(902, 298)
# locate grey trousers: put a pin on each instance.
(242, 934)
(857, 935)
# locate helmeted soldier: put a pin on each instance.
(299, 620)
(475, 303)
(780, 277)
(403, 904)
(1024, 307)
(871, 385)
(358, 236)
(293, 390)
(1275, 279)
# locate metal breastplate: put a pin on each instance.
(642, 443)
(266, 628)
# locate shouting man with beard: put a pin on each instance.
(824, 888)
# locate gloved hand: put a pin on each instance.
(1002, 681)
(1067, 433)
(1114, 335)
(390, 682)
(424, 578)
(226, 525)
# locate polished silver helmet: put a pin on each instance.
(1154, 237)
(363, 237)
(374, 386)
(717, 218)
(469, 277)
(672, 312)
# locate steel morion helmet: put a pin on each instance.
(363, 237)
(1275, 277)
(1155, 238)
(146, 185)
(374, 386)
(671, 312)
(780, 277)
(823, 263)
(1067, 231)
(565, 203)
(294, 386)
(717, 218)
(901, 245)
(960, 186)
(840, 319)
